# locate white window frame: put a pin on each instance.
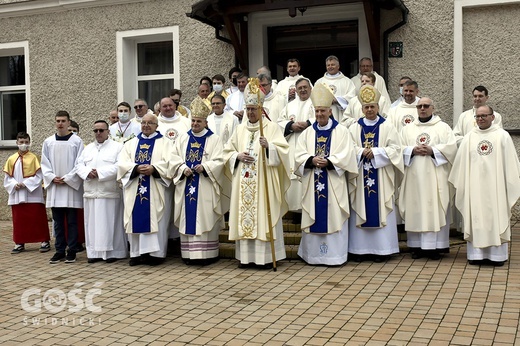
(127, 69)
(10, 49)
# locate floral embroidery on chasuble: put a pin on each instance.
(194, 153)
(141, 218)
(370, 139)
(321, 180)
(248, 203)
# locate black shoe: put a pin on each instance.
(94, 260)
(111, 260)
(379, 258)
(80, 248)
(497, 263)
(416, 254)
(134, 261)
(57, 258)
(154, 261)
(434, 255)
(475, 262)
(71, 257)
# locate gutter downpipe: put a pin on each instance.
(387, 32)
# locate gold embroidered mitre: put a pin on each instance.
(322, 95)
(253, 94)
(199, 109)
(368, 95)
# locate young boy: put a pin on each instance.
(23, 182)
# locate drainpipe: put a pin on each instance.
(404, 11)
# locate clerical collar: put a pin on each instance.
(99, 145)
(339, 74)
(64, 138)
(201, 133)
(218, 115)
(369, 122)
(150, 136)
(425, 120)
(169, 120)
(326, 127)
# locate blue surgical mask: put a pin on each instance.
(124, 116)
(217, 87)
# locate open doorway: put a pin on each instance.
(311, 44)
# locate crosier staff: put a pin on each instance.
(254, 82)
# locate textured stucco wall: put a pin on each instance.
(73, 60)
(427, 51)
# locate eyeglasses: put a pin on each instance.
(139, 106)
(146, 123)
(216, 103)
(99, 130)
(423, 106)
(482, 116)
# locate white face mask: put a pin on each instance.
(217, 87)
(401, 90)
(24, 147)
(124, 116)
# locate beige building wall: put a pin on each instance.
(73, 60)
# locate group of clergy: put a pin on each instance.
(353, 176)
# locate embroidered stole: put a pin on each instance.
(370, 139)
(194, 154)
(247, 211)
(141, 218)
(321, 181)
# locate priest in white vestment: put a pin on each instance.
(406, 112)
(297, 116)
(273, 102)
(372, 225)
(63, 187)
(287, 86)
(125, 128)
(366, 66)
(466, 122)
(325, 160)
(429, 148)
(486, 176)
(223, 124)
(248, 217)
(354, 109)
(105, 237)
(343, 88)
(145, 168)
(198, 213)
(235, 101)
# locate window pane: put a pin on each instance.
(13, 114)
(12, 70)
(155, 58)
(153, 90)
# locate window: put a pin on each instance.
(148, 64)
(14, 91)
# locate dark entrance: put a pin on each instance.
(311, 44)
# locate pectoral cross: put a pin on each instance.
(368, 144)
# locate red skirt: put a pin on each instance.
(30, 224)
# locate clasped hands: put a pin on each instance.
(319, 161)
(189, 171)
(423, 150)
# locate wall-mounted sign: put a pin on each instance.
(395, 49)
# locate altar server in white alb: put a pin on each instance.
(372, 225)
(343, 88)
(198, 214)
(429, 148)
(23, 182)
(64, 188)
(248, 220)
(104, 233)
(125, 128)
(486, 175)
(326, 161)
(145, 168)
